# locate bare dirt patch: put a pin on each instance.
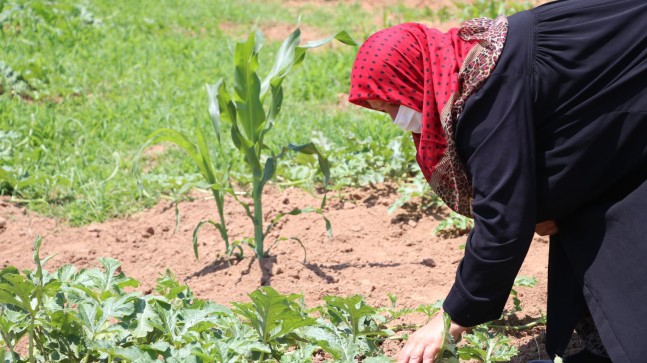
(372, 252)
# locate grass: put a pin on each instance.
(85, 82)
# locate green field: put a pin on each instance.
(94, 81)
(82, 84)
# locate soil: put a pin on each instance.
(372, 252)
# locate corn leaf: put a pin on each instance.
(275, 105)
(203, 148)
(214, 107)
(284, 60)
(248, 149)
(341, 36)
(268, 170)
(311, 149)
(176, 138)
(248, 88)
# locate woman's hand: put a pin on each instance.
(546, 228)
(425, 343)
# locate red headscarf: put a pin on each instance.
(416, 66)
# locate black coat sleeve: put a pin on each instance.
(495, 135)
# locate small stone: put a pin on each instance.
(396, 234)
(3, 222)
(286, 201)
(347, 250)
(94, 228)
(165, 229)
(149, 232)
(279, 271)
(412, 223)
(428, 262)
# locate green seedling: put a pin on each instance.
(250, 121)
(454, 225)
(248, 114)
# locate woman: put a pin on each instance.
(534, 122)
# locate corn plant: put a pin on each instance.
(250, 121)
(250, 112)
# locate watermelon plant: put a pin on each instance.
(89, 316)
(92, 315)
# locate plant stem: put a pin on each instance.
(532, 324)
(406, 327)
(257, 194)
(220, 203)
(31, 337)
(8, 341)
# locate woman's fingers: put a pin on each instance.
(429, 354)
(424, 344)
(418, 352)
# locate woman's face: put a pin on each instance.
(390, 108)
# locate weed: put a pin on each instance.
(454, 225)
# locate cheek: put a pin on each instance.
(392, 111)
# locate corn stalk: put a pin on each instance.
(250, 122)
(243, 111)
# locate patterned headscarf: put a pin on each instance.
(434, 73)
